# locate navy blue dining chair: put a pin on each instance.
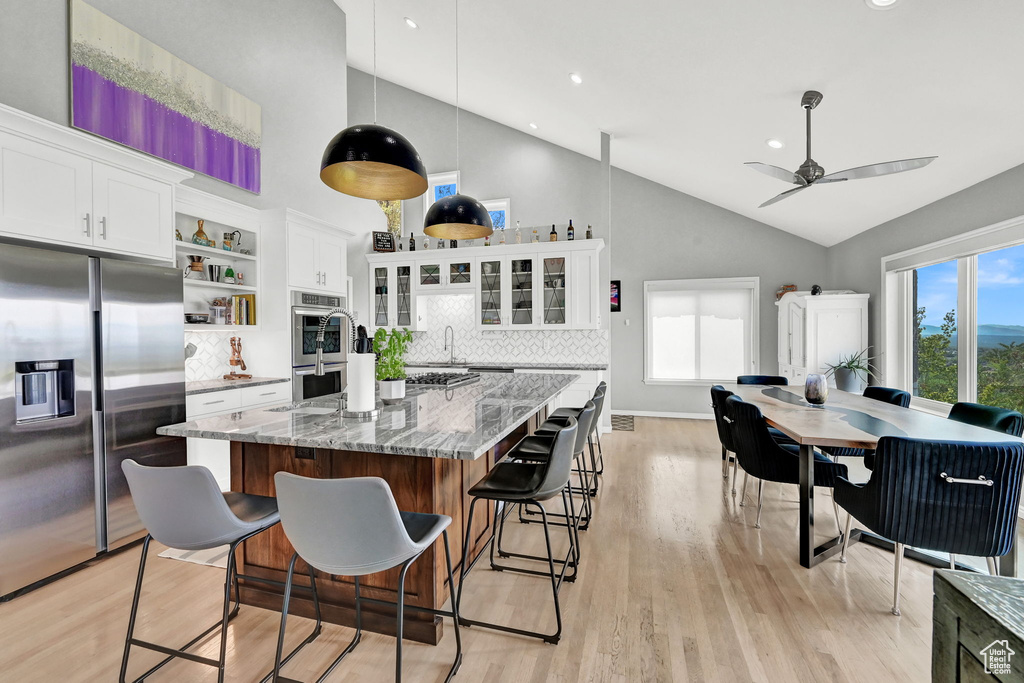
(762, 457)
(989, 417)
(945, 496)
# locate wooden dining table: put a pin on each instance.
(851, 420)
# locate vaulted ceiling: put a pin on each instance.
(691, 90)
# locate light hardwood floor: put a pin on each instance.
(675, 585)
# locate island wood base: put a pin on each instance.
(419, 484)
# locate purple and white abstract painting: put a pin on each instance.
(131, 91)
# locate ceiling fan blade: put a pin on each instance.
(780, 197)
(874, 170)
(776, 172)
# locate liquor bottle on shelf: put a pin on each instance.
(570, 234)
(454, 244)
(412, 242)
(519, 234)
(426, 242)
(590, 233)
(536, 238)
(487, 241)
(501, 236)
(553, 237)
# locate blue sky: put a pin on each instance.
(1000, 288)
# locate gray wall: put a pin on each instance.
(290, 62)
(662, 234)
(856, 263)
(657, 232)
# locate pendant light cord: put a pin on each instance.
(456, 88)
(374, 62)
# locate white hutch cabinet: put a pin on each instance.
(817, 330)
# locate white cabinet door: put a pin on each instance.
(303, 264)
(796, 337)
(402, 302)
(523, 288)
(460, 273)
(429, 275)
(45, 193)
(381, 298)
(552, 278)
(332, 260)
(492, 293)
(133, 214)
(583, 299)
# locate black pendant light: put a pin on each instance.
(457, 217)
(371, 161)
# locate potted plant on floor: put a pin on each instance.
(853, 371)
(390, 349)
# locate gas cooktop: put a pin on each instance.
(442, 379)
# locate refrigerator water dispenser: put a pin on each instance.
(44, 390)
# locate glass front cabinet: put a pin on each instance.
(393, 302)
(522, 292)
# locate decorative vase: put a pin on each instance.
(816, 389)
(848, 380)
(392, 391)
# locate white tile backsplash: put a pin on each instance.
(527, 346)
(211, 359)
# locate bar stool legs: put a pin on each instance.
(556, 580)
(399, 606)
(230, 577)
(574, 544)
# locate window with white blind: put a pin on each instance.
(700, 331)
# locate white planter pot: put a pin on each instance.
(392, 390)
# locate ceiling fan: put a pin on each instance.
(810, 173)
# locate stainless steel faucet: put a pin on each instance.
(451, 358)
(319, 371)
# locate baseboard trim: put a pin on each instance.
(656, 413)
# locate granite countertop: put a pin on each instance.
(461, 422)
(524, 366)
(206, 386)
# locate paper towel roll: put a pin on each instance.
(361, 382)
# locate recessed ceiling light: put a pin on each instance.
(410, 23)
(575, 78)
(533, 125)
(881, 4)
(774, 143)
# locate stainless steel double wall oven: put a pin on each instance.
(307, 309)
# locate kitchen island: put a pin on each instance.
(430, 448)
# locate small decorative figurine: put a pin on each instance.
(200, 237)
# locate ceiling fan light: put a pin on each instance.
(458, 217)
(373, 162)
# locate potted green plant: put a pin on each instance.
(851, 372)
(390, 372)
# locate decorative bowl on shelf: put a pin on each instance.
(197, 318)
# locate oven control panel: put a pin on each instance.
(310, 299)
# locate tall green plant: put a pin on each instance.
(858, 363)
(390, 349)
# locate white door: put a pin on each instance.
(303, 264)
(582, 297)
(332, 253)
(133, 214)
(45, 193)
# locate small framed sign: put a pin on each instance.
(616, 298)
(383, 241)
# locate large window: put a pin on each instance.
(700, 330)
(955, 319)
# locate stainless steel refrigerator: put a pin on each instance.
(91, 363)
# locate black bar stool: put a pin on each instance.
(183, 508)
(595, 430)
(527, 484)
(537, 448)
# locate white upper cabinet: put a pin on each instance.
(317, 254)
(45, 192)
(132, 214)
(516, 287)
(62, 186)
